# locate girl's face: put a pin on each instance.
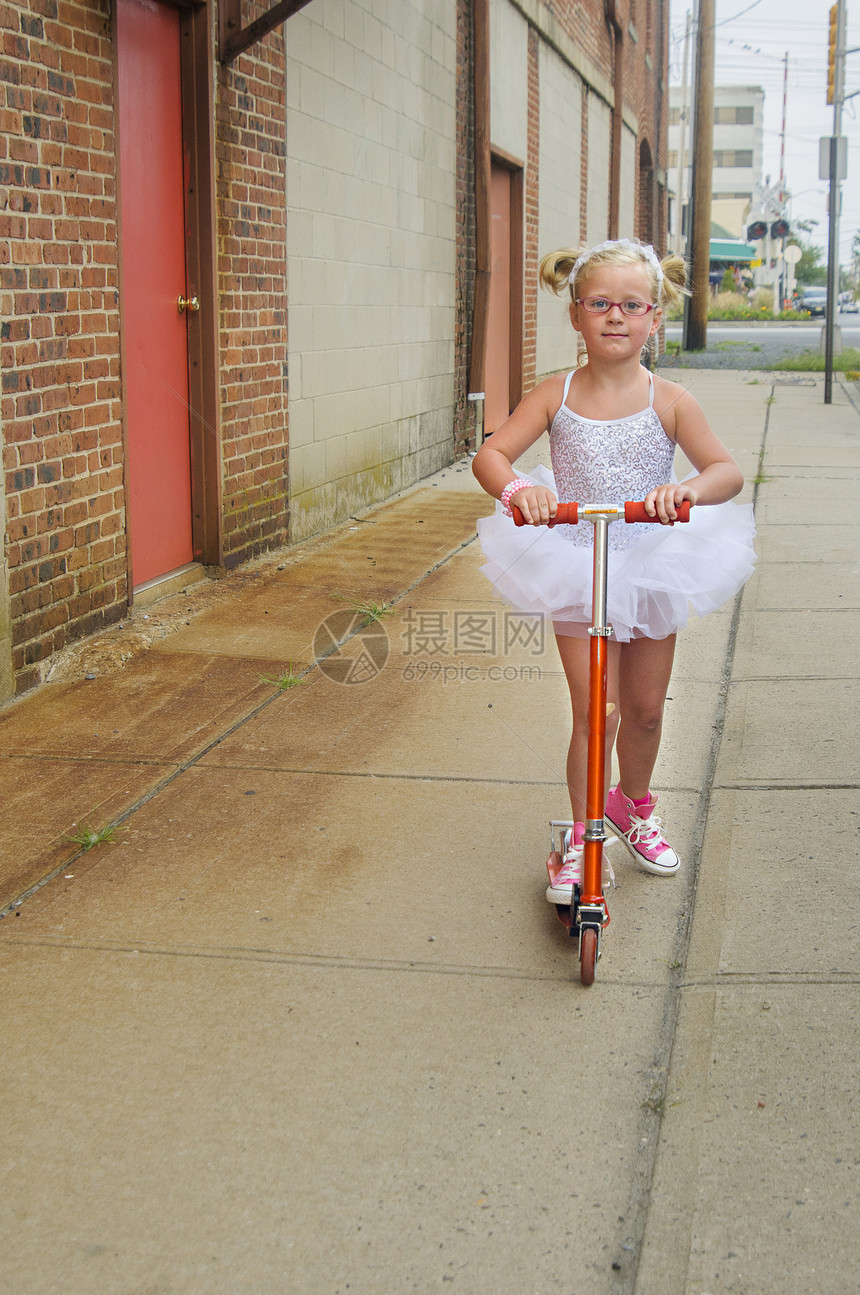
(614, 334)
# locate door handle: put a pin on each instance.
(187, 303)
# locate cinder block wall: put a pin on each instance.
(372, 245)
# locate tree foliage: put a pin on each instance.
(811, 269)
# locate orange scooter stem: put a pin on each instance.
(592, 884)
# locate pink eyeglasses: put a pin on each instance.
(601, 305)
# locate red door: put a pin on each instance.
(497, 366)
(153, 262)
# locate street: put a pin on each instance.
(794, 337)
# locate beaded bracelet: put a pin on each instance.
(519, 483)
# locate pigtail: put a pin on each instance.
(674, 284)
(554, 270)
(556, 267)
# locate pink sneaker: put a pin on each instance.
(561, 890)
(641, 831)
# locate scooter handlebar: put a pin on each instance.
(567, 513)
(634, 511)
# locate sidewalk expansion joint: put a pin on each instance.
(635, 1218)
(135, 761)
(392, 777)
(787, 785)
(724, 979)
(321, 961)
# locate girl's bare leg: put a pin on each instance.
(644, 670)
(574, 653)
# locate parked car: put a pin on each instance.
(814, 300)
(849, 306)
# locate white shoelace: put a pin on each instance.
(645, 830)
(573, 858)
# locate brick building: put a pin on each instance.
(250, 270)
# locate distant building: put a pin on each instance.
(738, 115)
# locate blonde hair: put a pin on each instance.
(556, 268)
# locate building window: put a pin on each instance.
(738, 157)
(743, 116)
(673, 157)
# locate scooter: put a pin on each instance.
(588, 916)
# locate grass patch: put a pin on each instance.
(734, 307)
(88, 835)
(847, 361)
(655, 1102)
(727, 346)
(283, 682)
(368, 611)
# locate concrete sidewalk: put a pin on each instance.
(307, 1023)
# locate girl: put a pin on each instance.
(613, 431)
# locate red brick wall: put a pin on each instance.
(60, 411)
(59, 362)
(251, 187)
(531, 223)
(583, 166)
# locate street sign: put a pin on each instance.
(824, 158)
(793, 253)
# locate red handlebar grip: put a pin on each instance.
(635, 512)
(568, 513)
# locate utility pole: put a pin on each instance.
(684, 116)
(696, 308)
(835, 95)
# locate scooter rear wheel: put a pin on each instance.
(587, 955)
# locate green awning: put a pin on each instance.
(730, 249)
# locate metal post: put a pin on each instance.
(832, 273)
(696, 317)
(834, 201)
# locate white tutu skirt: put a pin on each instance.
(652, 585)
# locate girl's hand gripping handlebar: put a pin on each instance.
(632, 511)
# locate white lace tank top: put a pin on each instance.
(609, 462)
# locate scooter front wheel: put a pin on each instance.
(587, 955)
